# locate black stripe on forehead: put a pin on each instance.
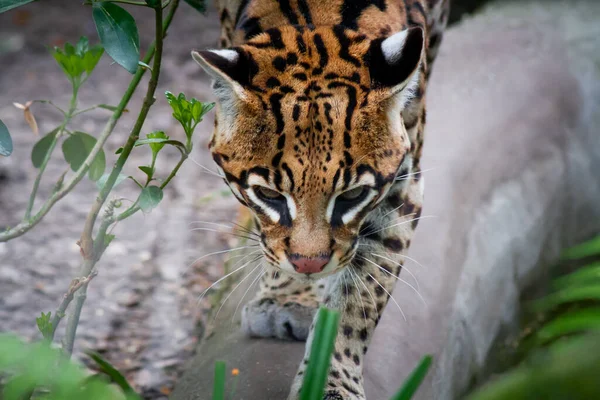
(289, 174)
(351, 10)
(351, 106)
(286, 9)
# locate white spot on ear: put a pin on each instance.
(230, 55)
(392, 46)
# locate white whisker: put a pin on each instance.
(401, 266)
(391, 297)
(206, 169)
(370, 294)
(359, 296)
(222, 278)
(233, 290)
(388, 213)
(221, 252)
(397, 277)
(232, 226)
(260, 274)
(402, 177)
(225, 233)
(402, 223)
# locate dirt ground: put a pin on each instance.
(141, 311)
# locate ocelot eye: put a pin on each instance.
(354, 195)
(267, 194)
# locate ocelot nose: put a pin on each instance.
(308, 265)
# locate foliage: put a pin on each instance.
(40, 368)
(119, 34)
(562, 356)
(38, 365)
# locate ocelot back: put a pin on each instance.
(319, 130)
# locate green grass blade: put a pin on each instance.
(568, 295)
(583, 276)
(321, 350)
(219, 384)
(414, 380)
(572, 322)
(586, 249)
(567, 370)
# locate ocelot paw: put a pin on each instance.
(276, 317)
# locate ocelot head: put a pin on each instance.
(309, 135)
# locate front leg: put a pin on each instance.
(361, 290)
(360, 293)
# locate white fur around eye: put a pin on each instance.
(271, 213)
(351, 214)
(366, 179)
(291, 204)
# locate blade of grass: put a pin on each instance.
(572, 322)
(568, 295)
(583, 276)
(585, 249)
(219, 384)
(320, 354)
(414, 380)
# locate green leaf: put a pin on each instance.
(118, 33)
(91, 58)
(414, 380)
(148, 171)
(199, 5)
(157, 146)
(102, 181)
(219, 383)
(41, 148)
(321, 350)
(569, 323)
(44, 325)
(587, 249)
(583, 276)
(149, 198)
(76, 149)
(111, 372)
(6, 5)
(172, 142)
(6, 144)
(569, 295)
(119, 150)
(82, 46)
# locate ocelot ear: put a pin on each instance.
(394, 62)
(229, 69)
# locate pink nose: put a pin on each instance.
(306, 265)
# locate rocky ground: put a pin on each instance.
(141, 311)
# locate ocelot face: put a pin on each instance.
(309, 135)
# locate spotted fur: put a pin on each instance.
(319, 130)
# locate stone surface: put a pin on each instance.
(512, 159)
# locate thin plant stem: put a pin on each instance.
(135, 208)
(61, 129)
(95, 248)
(57, 195)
